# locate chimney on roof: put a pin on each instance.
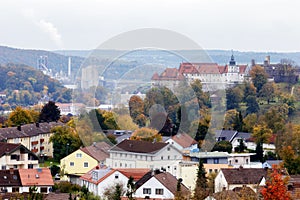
(94, 144)
(19, 127)
(37, 125)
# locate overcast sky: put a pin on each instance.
(244, 25)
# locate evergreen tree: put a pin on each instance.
(50, 112)
(130, 188)
(238, 124)
(117, 193)
(201, 189)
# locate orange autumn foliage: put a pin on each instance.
(275, 188)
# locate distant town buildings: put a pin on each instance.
(212, 75)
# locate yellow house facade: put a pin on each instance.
(188, 172)
(77, 164)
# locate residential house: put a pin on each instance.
(183, 142)
(158, 185)
(20, 180)
(83, 160)
(144, 154)
(239, 159)
(41, 178)
(188, 171)
(35, 137)
(17, 156)
(214, 157)
(101, 178)
(234, 137)
(231, 178)
(269, 163)
(10, 180)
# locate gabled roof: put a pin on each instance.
(10, 178)
(170, 182)
(105, 172)
(165, 178)
(184, 140)
(244, 175)
(98, 151)
(37, 177)
(136, 146)
(168, 74)
(27, 130)
(243, 135)
(9, 148)
(227, 135)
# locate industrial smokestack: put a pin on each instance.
(69, 67)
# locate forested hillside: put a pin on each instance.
(25, 85)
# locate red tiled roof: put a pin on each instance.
(169, 74)
(242, 69)
(136, 173)
(37, 177)
(184, 140)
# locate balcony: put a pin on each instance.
(42, 148)
(34, 143)
(42, 140)
(34, 150)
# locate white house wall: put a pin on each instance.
(153, 184)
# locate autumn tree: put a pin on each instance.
(276, 186)
(19, 116)
(136, 109)
(146, 134)
(230, 119)
(252, 105)
(268, 91)
(201, 188)
(261, 134)
(249, 122)
(50, 112)
(233, 98)
(249, 90)
(223, 146)
(65, 141)
(125, 122)
(259, 77)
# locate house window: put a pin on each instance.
(116, 176)
(30, 166)
(236, 161)
(216, 170)
(85, 164)
(168, 157)
(210, 170)
(247, 161)
(159, 191)
(161, 157)
(44, 190)
(216, 161)
(15, 189)
(71, 164)
(78, 155)
(3, 167)
(168, 149)
(146, 190)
